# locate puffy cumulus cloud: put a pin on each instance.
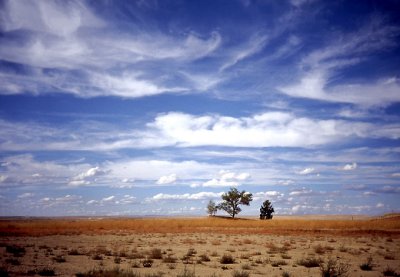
(187, 196)
(348, 167)
(380, 205)
(229, 175)
(261, 130)
(86, 178)
(227, 179)
(271, 129)
(168, 179)
(306, 171)
(273, 194)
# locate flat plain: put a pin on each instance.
(215, 246)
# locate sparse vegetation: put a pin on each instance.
(147, 262)
(186, 273)
(278, 263)
(46, 271)
(227, 259)
(242, 273)
(156, 254)
(309, 262)
(334, 269)
(17, 251)
(59, 259)
(390, 272)
(367, 266)
(116, 272)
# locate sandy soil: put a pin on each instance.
(258, 255)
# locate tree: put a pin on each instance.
(266, 210)
(212, 208)
(232, 199)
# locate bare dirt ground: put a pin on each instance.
(224, 248)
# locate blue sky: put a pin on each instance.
(156, 107)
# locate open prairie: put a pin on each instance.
(284, 246)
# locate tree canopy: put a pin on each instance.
(212, 208)
(266, 210)
(233, 199)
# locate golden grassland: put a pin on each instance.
(386, 225)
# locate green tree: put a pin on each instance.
(232, 199)
(266, 210)
(212, 208)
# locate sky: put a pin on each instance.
(153, 108)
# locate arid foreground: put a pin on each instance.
(200, 247)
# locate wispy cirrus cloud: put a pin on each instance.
(318, 68)
(72, 58)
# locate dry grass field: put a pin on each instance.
(150, 247)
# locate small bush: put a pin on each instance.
(204, 258)
(13, 262)
(156, 254)
(117, 260)
(246, 267)
(97, 257)
(227, 259)
(74, 252)
(286, 256)
(147, 262)
(116, 272)
(390, 272)
(59, 259)
(237, 273)
(278, 263)
(367, 266)
(46, 271)
(309, 262)
(285, 274)
(186, 273)
(332, 269)
(169, 259)
(17, 251)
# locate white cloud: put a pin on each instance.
(397, 174)
(108, 199)
(261, 130)
(270, 129)
(380, 205)
(317, 69)
(187, 196)
(303, 192)
(26, 195)
(219, 183)
(227, 179)
(168, 179)
(273, 194)
(67, 36)
(87, 177)
(348, 167)
(306, 171)
(285, 182)
(253, 46)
